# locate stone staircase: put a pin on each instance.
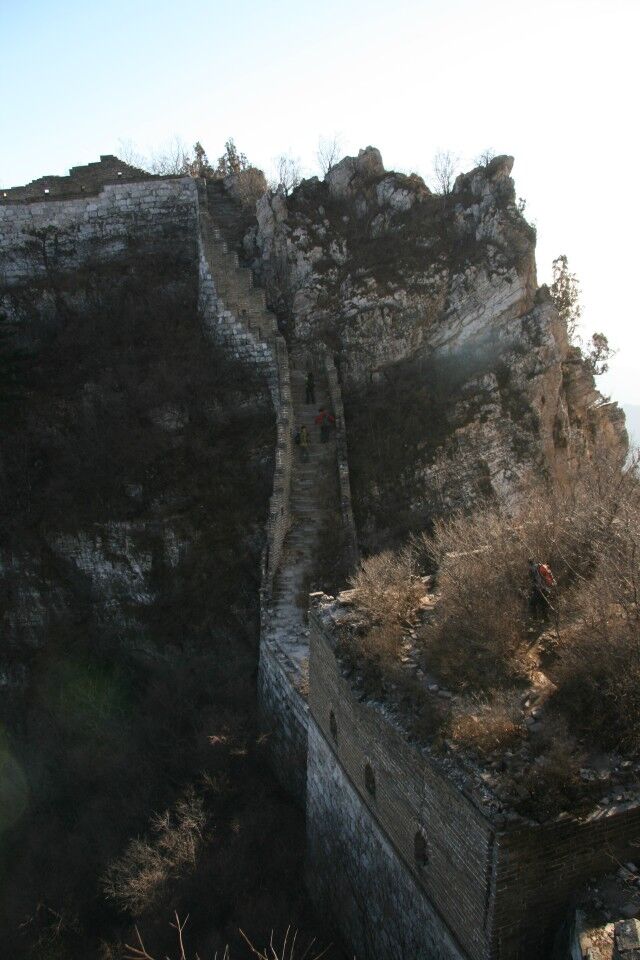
(233, 219)
(234, 284)
(307, 494)
(312, 484)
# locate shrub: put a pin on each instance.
(598, 659)
(481, 635)
(552, 784)
(288, 950)
(385, 592)
(386, 589)
(487, 727)
(138, 877)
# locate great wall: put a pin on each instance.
(405, 861)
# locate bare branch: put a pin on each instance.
(288, 173)
(444, 171)
(328, 153)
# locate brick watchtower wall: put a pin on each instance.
(156, 216)
(81, 181)
(411, 866)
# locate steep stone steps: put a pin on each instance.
(234, 286)
(228, 213)
(313, 484)
(310, 511)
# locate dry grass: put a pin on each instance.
(598, 658)
(482, 633)
(484, 640)
(484, 637)
(385, 592)
(487, 727)
(552, 783)
(386, 588)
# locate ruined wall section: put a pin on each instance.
(254, 342)
(437, 835)
(251, 333)
(82, 180)
(223, 325)
(69, 234)
(385, 816)
(279, 508)
(539, 868)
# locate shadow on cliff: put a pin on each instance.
(135, 479)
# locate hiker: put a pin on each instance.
(542, 583)
(302, 439)
(325, 421)
(310, 387)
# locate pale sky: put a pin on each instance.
(556, 83)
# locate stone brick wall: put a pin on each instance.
(269, 353)
(356, 877)
(279, 512)
(540, 867)
(409, 799)
(499, 887)
(155, 214)
(88, 179)
(283, 701)
(227, 329)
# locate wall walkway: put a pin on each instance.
(308, 494)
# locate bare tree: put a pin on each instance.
(328, 152)
(173, 159)
(198, 165)
(140, 952)
(288, 173)
(137, 877)
(445, 164)
(485, 157)
(129, 153)
(170, 160)
(290, 949)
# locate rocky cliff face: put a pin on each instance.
(136, 465)
(459, 378)
(115, 477)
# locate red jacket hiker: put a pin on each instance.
(324, 417)
(325, 421)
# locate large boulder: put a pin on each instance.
(342, 177)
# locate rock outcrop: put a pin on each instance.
(457, 370)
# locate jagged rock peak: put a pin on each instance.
(365, 177)
(368, 164)
(486, 177)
